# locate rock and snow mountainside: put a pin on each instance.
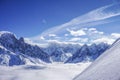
(9, 58)
(106, 67)
(73, 53)
(88, 53)
(60, 52)
(68, 53)
(12, 49)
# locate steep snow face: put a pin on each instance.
(106, 67)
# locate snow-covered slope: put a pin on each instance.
(106, 67)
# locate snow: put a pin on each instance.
(5, 32)
(52, 52)
(9, 58)
(55, 71)
(106, 67)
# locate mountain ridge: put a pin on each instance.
(53, 52)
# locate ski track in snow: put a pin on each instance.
(55, 71)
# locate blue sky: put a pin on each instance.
(29, 18)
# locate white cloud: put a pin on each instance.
(98, 32)
(83, 35)
(115, 35)
(84, 28)
(42, 38)
(104, 39)
(74, 39)
(52, 35)
(98, 14)
(77, 32)
(93, 17)
(66, 34)
(92, 29)
(79, 39)
(63, 42)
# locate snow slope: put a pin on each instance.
(106, 67)
(55, 71)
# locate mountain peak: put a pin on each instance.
(5, 32)
(21, 39)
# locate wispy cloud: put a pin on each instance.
(52, 35)
(115, 35)
(104, 39)
(93, 17)
(77, 32)
(77, 39)
(98, 14)
(81, 36)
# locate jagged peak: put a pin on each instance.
(21, 39)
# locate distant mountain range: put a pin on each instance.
(14, 51)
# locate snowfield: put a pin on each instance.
(54, 71)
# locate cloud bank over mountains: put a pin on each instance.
(83, 28)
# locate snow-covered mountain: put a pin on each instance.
(9, 58)
(59, 52)
(106, 67)
(18, 50)
(88, 53)
(74, 53)
(18, 46)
